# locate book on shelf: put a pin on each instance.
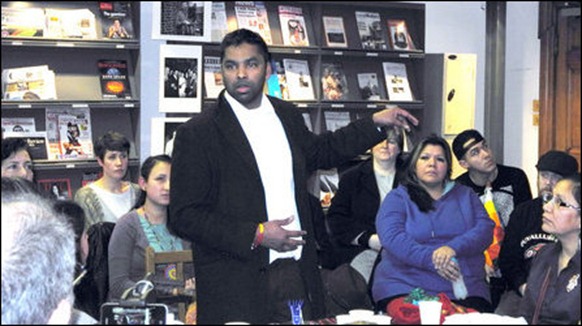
(397, 85)
(29, 83)
(252, 15)
(212, 76)
(70, 23)
(334, 84)
(336, 119)
(219, 21)
(116, 20)
(370, 30)
(298, 79)
(114, 79)
(307, 119)
(22, 22)
(293, 27)
(59, 189)
(37, 142)
(69, 133)
(368, 85)
(334, 31)
(399, 36)
(277, 82)
(18, 124)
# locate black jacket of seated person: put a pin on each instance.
(93, 288)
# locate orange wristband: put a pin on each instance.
(258, 236)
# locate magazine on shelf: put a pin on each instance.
(69, 133)
(298, 79)
(397, 86)
(18, 124)
(293, 27)
(336, 119)
(277, 82)
(29, 83)
(219, 21)
(59, 189)
(114, 79)
(252, 15)
(212, 76)
(368, 85)
(116, 20)
(70, 23)
(37, 142)
(335, 33)
(334, 84)
(400, 38)
(22, 22)
(370, 30)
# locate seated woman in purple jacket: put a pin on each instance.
(423, 224)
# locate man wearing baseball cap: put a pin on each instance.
(508, 186)
(524, 235)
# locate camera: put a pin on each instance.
(113, 313)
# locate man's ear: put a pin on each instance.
(464, 164)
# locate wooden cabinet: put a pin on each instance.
(450, 86)
(78, 86)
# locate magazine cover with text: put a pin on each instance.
(293, 27)
(114, 79)
(116, 20)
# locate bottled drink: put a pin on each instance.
(459, 287)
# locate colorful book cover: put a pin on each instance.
(116, 20)
(69, 134)
(333, 82)
(400, 38)
(252, 15)
(277, 82)
(114, 79)
(293, 27)
(370, 30)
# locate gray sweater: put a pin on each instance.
(127, 254)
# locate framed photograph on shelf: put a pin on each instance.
(182, 20)
(163, 133)
(56, 188)
(180, 74)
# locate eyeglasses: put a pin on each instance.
(557, 201)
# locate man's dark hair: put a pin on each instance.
(13, 145)
(240, 36)
(112, 141)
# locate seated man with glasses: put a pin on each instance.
(524, 235)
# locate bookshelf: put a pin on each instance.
(352, 58)
(77, 81)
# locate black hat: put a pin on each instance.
(464, 141)
(558, 162)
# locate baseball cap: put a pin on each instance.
(558, 162)
(464, 141)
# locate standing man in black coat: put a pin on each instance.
(239, 192)
(524, 236)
